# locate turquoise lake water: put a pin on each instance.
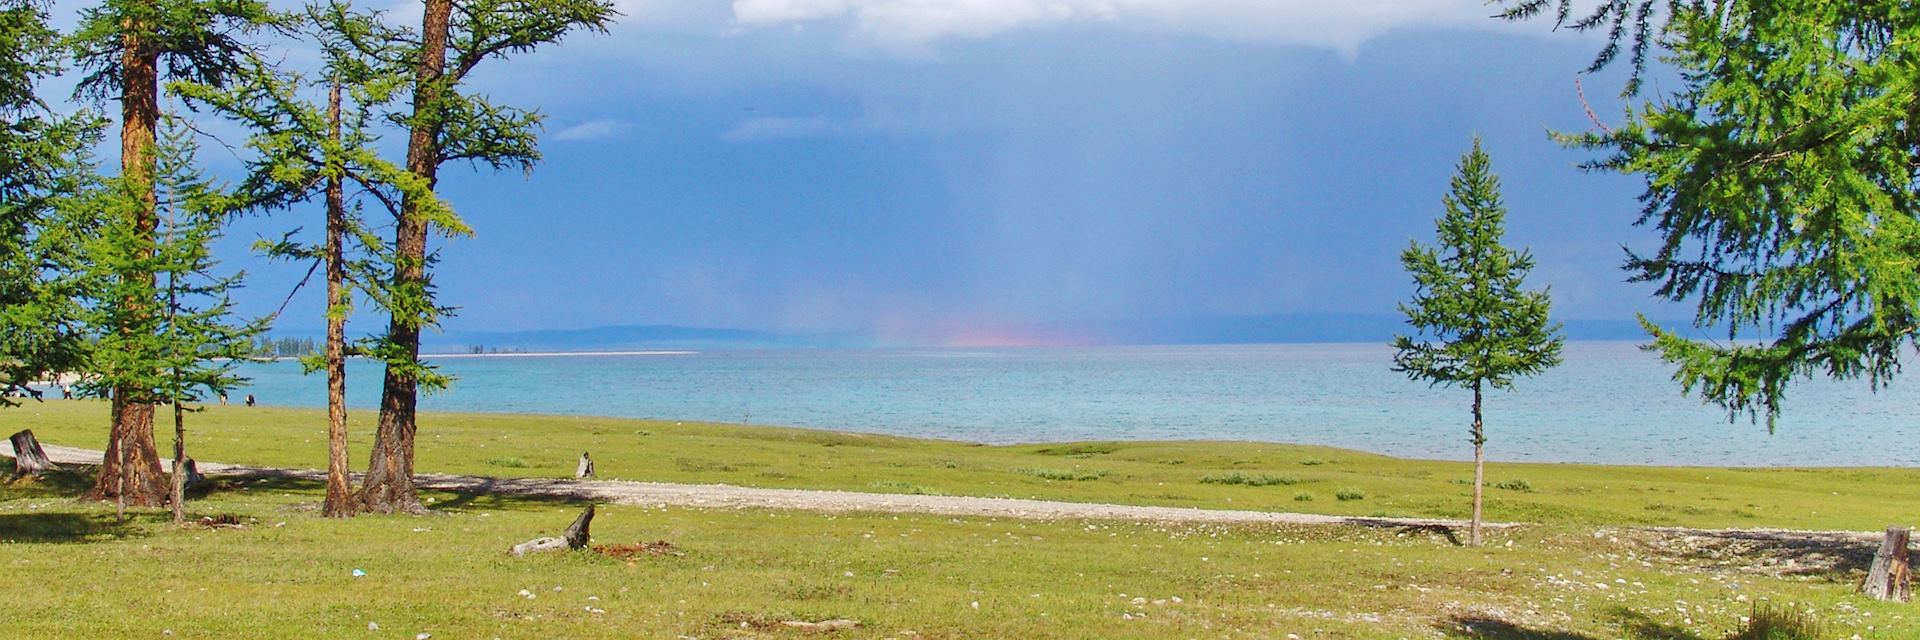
(1609, 403)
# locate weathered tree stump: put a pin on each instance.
(194, 477)
(1890, 576)
(28, 458)
(575, 538)
(585, 470)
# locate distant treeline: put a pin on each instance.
(269, 347)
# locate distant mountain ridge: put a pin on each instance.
(1262, 329)
(628, 337)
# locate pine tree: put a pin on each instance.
(445, 125)
(306, 150)
(1780, 177)
(1485, 329)
(182, 345)
(43, 161)
(125, 47)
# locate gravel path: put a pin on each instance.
(732, 497)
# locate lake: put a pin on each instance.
(1609, 403)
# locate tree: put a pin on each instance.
(447, 125)
(124, 46)
(1780, 177)
(43, 161)
(305, 150)
(182, 345)
(1485, 328)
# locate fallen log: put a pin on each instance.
(28, 458)
(1890, 576)
(575, 538)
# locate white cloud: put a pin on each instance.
(916, 25)
(594, 130)
(784, 127)
(882, 123)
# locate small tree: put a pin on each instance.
(182, 345)
(1468, 298)
(307, 149)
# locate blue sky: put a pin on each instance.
(957, 171)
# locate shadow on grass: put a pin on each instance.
(68, 481)
(1638, 625)
(483, 494)
(1489, 628)
(1632, 624)
(1832, 556)
(68, 527)
(495, 494)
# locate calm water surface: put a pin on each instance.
(1610, 403)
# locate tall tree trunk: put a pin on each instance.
(1479, 467)
(339, 502)
(132, 416)
(179, 498)
(389, 483)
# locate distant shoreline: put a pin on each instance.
(558, 354)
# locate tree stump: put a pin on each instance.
(28, 457)
(1890, 576)
(575, 537)
(585, 470)
(194, 477)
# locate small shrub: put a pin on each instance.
(1251, 480)
(1313, 462)
(1349, 495)
(1514, 485)
(1070, 475)
(1770, 622)
(508, 461)
(1303, 496)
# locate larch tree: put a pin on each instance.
(1782, 173)
(1477, 325)
(305, 150)
(182, 344)
(447, 124)
(43, 162)
(125, 47)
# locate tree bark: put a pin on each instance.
(28, 458)
(133, 419)
(339, 501)
(1890, 576)
(389, 486)
(179, 494)
(1479, 467)
(131, 468)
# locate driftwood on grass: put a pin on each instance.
(585, 470)
(575, 538)
(28, 458)
(1890, 576)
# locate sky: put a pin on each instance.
(967, 171)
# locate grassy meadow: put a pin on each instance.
(1580, 571)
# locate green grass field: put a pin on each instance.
(1577, 573)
